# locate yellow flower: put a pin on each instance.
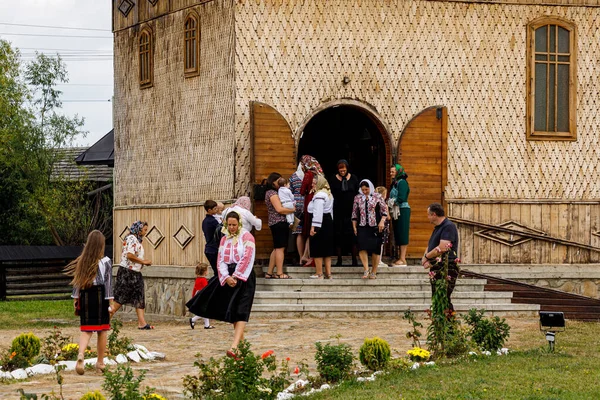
(154, 396)
(70, 347)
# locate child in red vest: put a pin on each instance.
(200, 283)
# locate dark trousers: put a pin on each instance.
(212, 259)
(453, 274)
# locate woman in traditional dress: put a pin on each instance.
(400, 211)
(344, 186)
(312, 168)
(129, 287)
(368, 220)
(295, 185)
(92, 291)
(321, 230)
(229, 296)
(243, 206)
(280, 229)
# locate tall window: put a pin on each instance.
(191, 40)
(552, 86)
(146, 58)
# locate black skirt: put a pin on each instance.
(369, 239)
(129, 288)
(93, 313)
(323, 243)
(225, 303)
(281, 234)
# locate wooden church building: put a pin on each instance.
(491, 106)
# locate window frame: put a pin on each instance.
(532, 134)
(195, 69)
(146, 81)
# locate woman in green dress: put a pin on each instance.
(400, 211)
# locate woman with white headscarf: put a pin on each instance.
(322, 238)
(368, 221)
(243, 206)
(229, 296)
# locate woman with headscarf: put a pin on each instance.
(368, 221)
(280, 229)
(312, 168)
(321, 230)
(129, 285)
(400, 211)
(243, 206)
(295, 185)
(228, 297)
(344, 186)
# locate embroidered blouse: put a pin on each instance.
(103, 278)
(242, 254)
(132, 245)
(248, 220)
(365, 212)
(320, 205)
(274, 216)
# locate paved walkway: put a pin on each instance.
(292, 338)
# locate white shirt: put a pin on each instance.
(320, 204)
(286, 195)
(249, 220)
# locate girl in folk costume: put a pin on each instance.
(229, 296)
(312, 168)
(243, 206)
(92, 291)
(322, 230)
(369, 213)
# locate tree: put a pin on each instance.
(38, 206)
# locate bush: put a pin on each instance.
(334, 362)
(27, 345)
(52, 345)
(95, 395)
(123, 385)
(418, 354)
(375, 354)
(118, 345)
(488, 333)
(11, 360)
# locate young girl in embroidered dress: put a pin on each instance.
(229, 296)
(92, 290)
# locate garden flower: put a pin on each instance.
(457, 260)
(287, 359)
(13, 354)
(267, 354)
(296, 370)
(431, 275)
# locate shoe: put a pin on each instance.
(295, 224)
(269, 276)
(147, 327)
(192, 323)
(365, 274)
(372, 276)
(282, 276)
(328, 276)
(209, 327)
(354, 263)
(316, 276)
(231, 354)
(310, 263)
(100, 368)
(80, 366)
(339, 263)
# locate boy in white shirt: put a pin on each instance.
(287, 198)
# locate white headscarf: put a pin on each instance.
(371, 188)
(300, 171)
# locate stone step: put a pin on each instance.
(529, 271)
(406, 298)
(353, 272)
(345, 285)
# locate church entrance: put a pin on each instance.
(351, 133)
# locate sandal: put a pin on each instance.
(328, 276)
(209, 327)
(100, 368)
(283, 276)
(270, 276)
(147, 327)
(79, 366)
(365, 274)
(372, 276)
(316, 276)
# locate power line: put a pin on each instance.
(56, 27)
(65, 36)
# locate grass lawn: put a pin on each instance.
(572, 372)
(36, 314)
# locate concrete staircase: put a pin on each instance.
(395, 290)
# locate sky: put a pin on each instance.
(89, 61)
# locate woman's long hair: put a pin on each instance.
(84, 268)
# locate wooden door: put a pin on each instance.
(273, 150)
(422, 151)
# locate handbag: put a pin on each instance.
(260, 190)
(77, 307)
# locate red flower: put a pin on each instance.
(267, 354)
(457, 260)
(287, 359)
(296, 370)
(450, 245)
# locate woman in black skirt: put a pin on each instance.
(369, 213)
(92, 291)
(129, 287)
(321, 231)
(229, 296)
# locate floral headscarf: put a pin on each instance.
(371, 188)
(311, 164)
(136, 228)
(322, 185)
(225, 229)
(400, 172)
(243, 202)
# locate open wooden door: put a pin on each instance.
(422, 151)
(273, 150)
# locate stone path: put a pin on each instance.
(292, 338)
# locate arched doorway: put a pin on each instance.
(350, 132)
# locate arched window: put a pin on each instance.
(191, 45)
(551, 80)
(146, 58)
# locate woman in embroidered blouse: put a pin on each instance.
(368, 221)
(129, 286)
(229, 296)
(312, 168)
(295, 185)
(280, 229)
(321, 230)
(243, 206)
(401, 222)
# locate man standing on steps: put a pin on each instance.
(443, 239)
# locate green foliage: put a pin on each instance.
(247, 376)
(118, 345)
(398, 364)
(11, 360)
(334, 362)
(53, 344)
(27, 345)
(375, 354)
(488, 333)
(95, 395)
(415, 333)
(122, 384)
